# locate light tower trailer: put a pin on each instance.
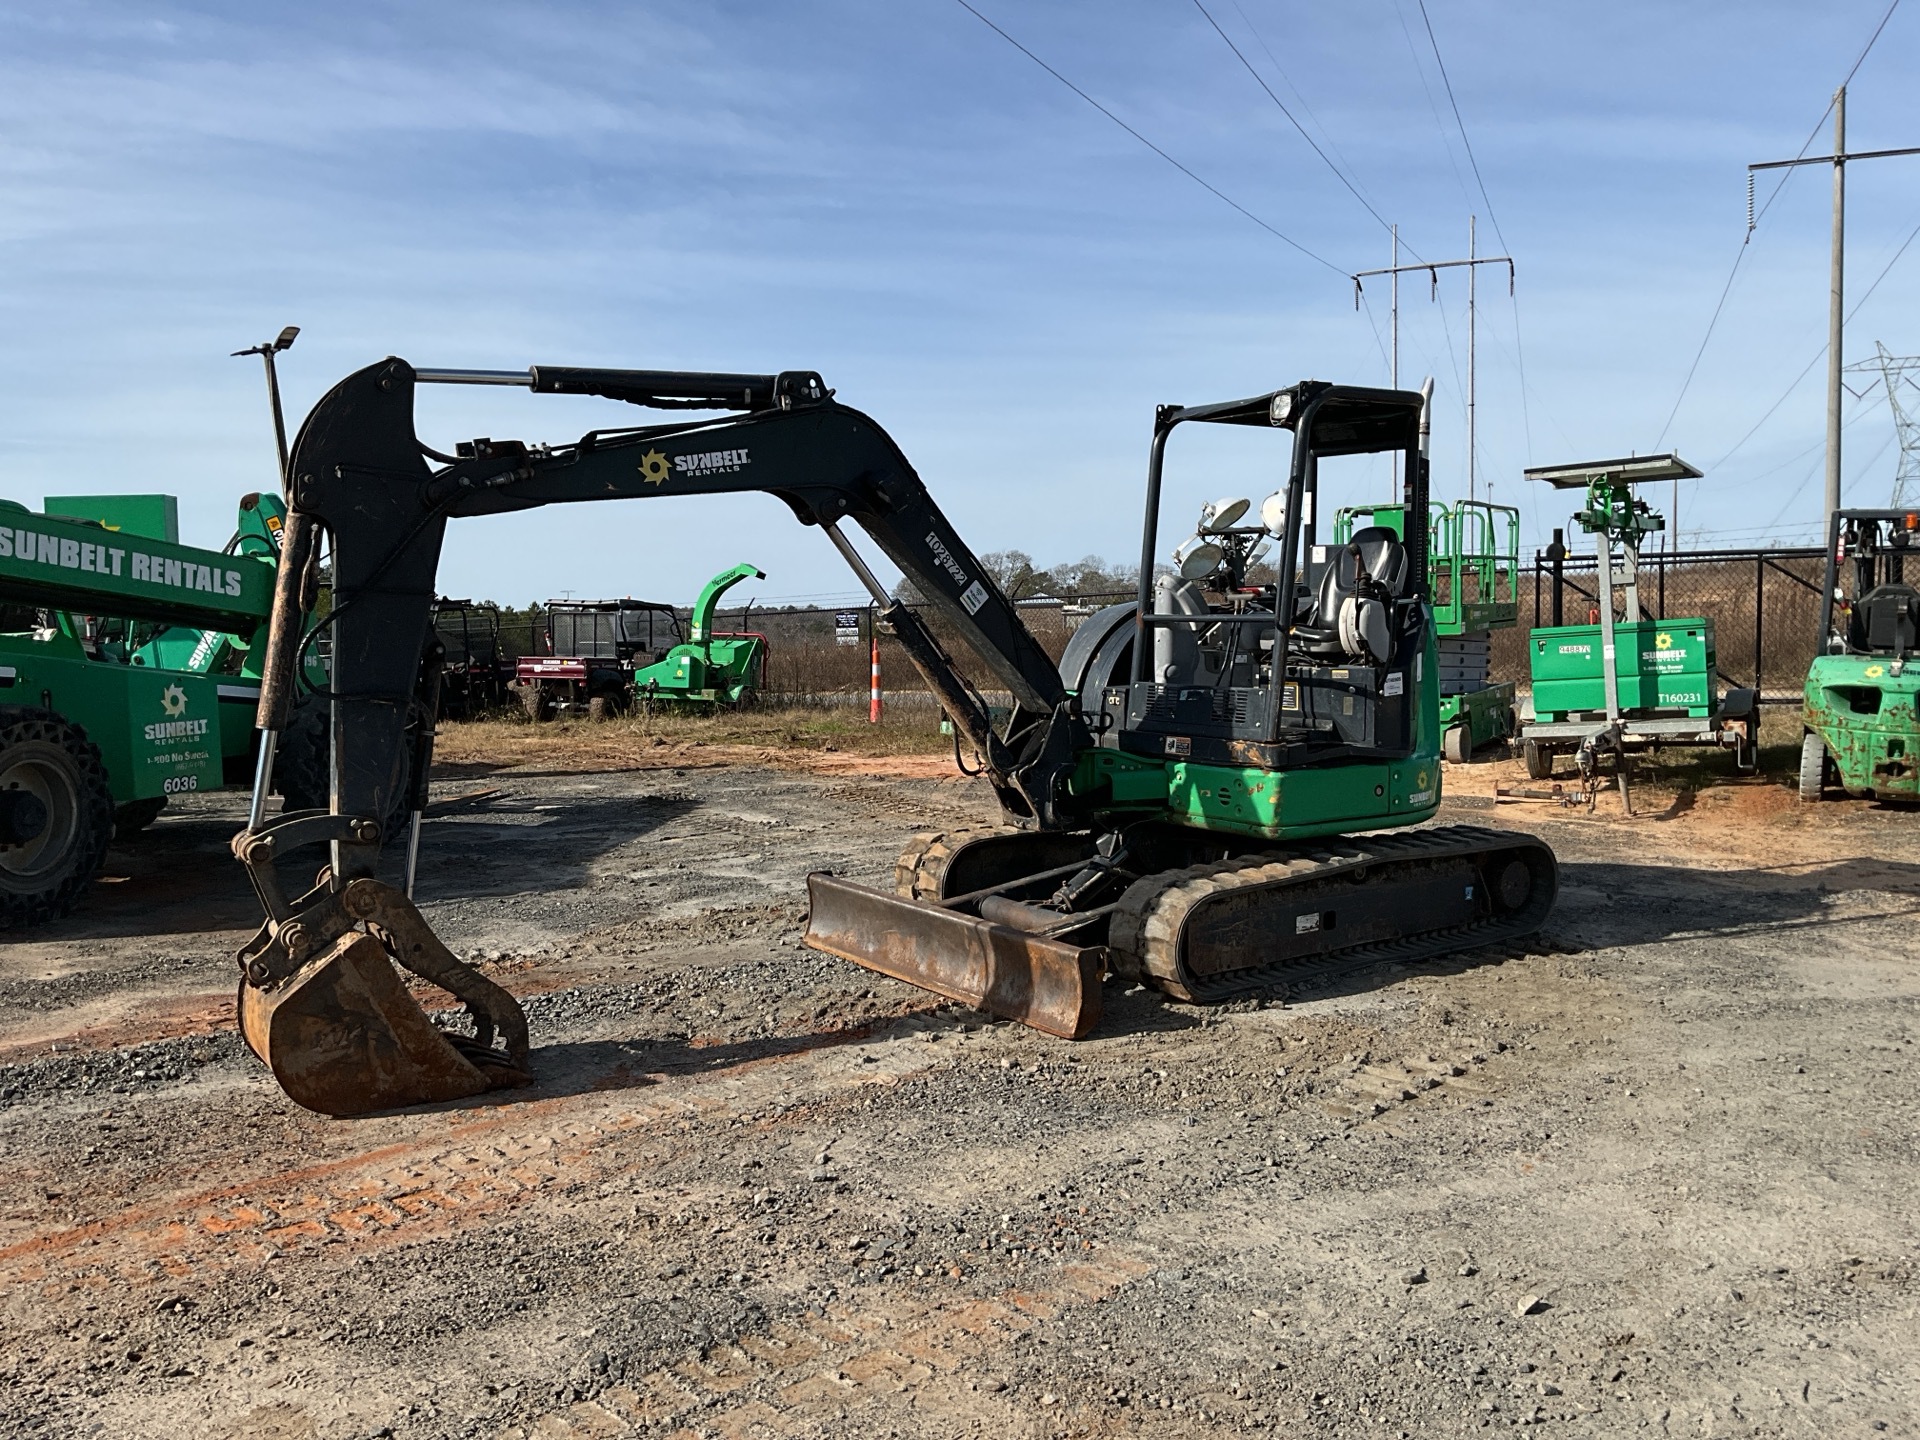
(1637, 682)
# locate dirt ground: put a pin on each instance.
(1652, 1175)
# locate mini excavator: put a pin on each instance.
(1211, 794)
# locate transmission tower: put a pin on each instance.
(1896, 374)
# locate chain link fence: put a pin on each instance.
(1764, 605)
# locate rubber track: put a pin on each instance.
(922, 866)
(1146, 932)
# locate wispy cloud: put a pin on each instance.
(891, 195)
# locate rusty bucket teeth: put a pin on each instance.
(1048, 984)
(343, 1037)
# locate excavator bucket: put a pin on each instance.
(1048, 984)
(344, 1037)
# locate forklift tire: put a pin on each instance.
(136, 815)
(56, 815)
(1456, 746)
(1539, 760)
(1813, 768)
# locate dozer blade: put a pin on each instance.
(1048, 984)
(343, 1037)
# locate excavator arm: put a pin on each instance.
(319, 1002)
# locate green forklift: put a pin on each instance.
(1628, 682)
(1476, 555)
(1862, 704)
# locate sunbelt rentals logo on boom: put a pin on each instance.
(35, 547)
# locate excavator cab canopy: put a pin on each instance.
(1318, 667)
(1347, 419)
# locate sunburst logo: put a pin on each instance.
(173, 700)
(653, 468)
(1663, 641)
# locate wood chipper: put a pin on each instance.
(1211, 794)
(708, 669)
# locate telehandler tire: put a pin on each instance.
(1813, 768)
(56, 815)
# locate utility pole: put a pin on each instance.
(1473, 291)
(1836, 287)
(1836, 297)
(1395, 326)
(1433, 268)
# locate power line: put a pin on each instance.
(1774, 409)
(1378, 342)
(1468, 144)
(1258, 79)
(1299, 95)
(1712, 321)
(1519, 350)
(1205, 185)
(1439, 125)
(1753, 222)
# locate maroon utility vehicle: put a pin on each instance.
(592, 649)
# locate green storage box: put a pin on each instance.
(1661, 666)
(151, 517)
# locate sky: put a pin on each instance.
(895, 196)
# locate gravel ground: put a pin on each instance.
(1652, 1175)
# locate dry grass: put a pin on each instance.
(904, 742)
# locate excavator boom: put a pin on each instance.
(318, 1001)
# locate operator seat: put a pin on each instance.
(1886, 620)
(1352, 616)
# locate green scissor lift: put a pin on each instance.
(1475, 559)
(1661, 687)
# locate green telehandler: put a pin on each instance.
(126, 677)
(1213, 793)
(1862, 702)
